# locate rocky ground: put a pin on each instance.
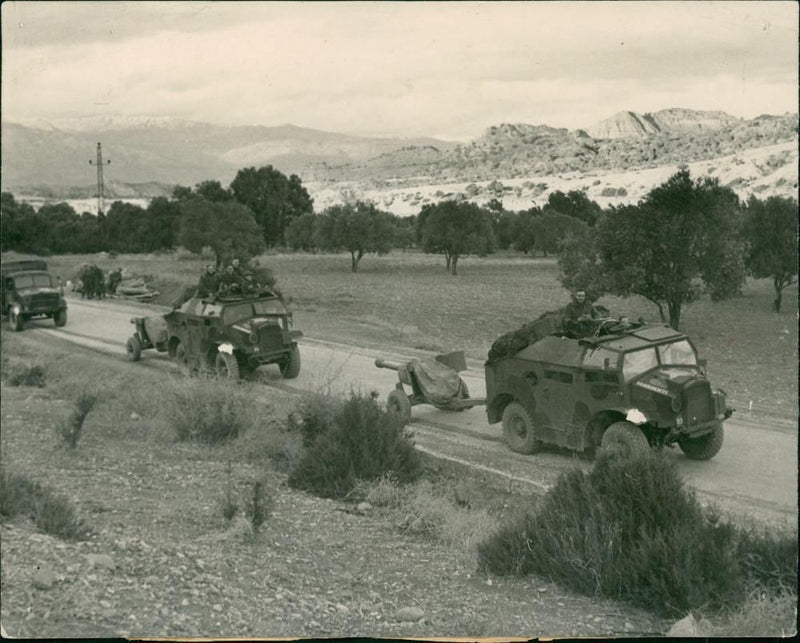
(162, 561)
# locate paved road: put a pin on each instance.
(755, 473)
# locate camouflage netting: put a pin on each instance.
(513, 342)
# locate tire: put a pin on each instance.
(16, 321)
(60, 318)
(227, 366)
(181, 356)
(625, 437)
(704, 447)
(399, 406)
(519, 429)
(290, 367)
(134, 349)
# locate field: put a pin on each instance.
(407, 300)
(163, 560)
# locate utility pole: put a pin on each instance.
(99, 164)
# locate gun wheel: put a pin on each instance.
(133, 348)
(399, 406)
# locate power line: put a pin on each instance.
(99, 164)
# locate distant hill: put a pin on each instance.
(50, 160)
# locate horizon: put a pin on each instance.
(396, 70)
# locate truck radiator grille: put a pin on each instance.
(44, 301)
(698, 403)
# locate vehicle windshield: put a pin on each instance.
(597, 357)
(237, 312)
(41, 280)
(269, 307)
(638, 362)
(677, 354)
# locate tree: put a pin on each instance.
(274, 199)
(455, 229)
(228, 228)
(681, 240)
(358, 228)
(23, 228)
(573, 204)
(212, 191)
(551, 228)
(771, 231)
(163, 223)
(300, 233)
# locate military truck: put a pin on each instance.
(230, 334)
(620, 384)
(28, 292)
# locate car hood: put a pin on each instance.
(35, 290)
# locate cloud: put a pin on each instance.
(397, 68)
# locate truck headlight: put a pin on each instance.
(676, 404)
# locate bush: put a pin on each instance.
(70, 431)
(359, 442)
(209, 411)
(628, 530)
(24, 375)
(52, 513)
(768, 558)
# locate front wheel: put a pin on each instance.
(134, 349)
(227, 366)
(60, 318)
(15, 320)
(704, 447)
(519, 430)
(290, 367)
(399, 406)
(181, 356)
(625, 437)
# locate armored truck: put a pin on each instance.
(230, 334)
(28, 292)
(620, 384)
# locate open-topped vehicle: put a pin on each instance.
(231, 334)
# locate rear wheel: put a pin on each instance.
(625, 437)
(704, 447)
(60, 318)
(290, 366)
(227, 366)
(134, 349)
(519, 429)
(399, 406)
(15, 320)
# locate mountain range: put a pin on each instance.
(149, 155)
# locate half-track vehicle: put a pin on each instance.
(28, 292)
(616, 383)
(230, 334)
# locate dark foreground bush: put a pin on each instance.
(24, 375)
(360, 441)
(628, 530)
(52, 513)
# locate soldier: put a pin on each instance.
(114, 277)
(579, 308)
(209, 282)
(229, 281)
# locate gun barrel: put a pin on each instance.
(385, 363)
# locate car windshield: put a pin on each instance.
(677, 354)
(237, 312)
(637, 362)
(269, 307)
(33, 281)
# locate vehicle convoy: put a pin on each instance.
(230, 334)
(611, 383)
(28, 292)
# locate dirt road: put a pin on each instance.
(754, 474)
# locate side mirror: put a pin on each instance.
(702, 363)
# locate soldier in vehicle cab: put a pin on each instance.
(209, 281)
(579, 308)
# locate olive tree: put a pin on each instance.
(771, 232)
(455, 229)
(358, 228)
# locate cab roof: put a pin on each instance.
(559, 349)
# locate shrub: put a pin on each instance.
(70, 431)
(24, 375)
(360, 442)
(628, 530)
(261, 504)
(209, 411)
(768, 557)
(50, 512)
(228, 503)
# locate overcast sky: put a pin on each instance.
(448, 70)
